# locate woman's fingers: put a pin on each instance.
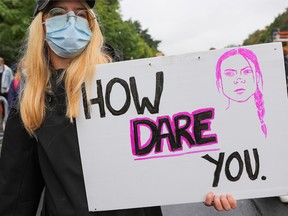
(209, 199)
(217, 203)
(224, 202)
(232, 201)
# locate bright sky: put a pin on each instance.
(188, 25)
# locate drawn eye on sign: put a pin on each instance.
(239, 79)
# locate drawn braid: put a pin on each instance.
(258, 97)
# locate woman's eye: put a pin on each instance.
(83, 14)
(229, 73)
(56, 12)
(247, 71)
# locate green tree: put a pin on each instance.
(266, 35)
(15, 17)
(145, 36)
(125, 36)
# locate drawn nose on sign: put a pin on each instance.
(239, 80)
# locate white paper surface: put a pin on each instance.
(117, 178)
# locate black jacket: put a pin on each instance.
(52, 161)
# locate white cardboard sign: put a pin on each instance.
(168, 130)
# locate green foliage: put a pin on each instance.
(125, 36)
(15, 17)
(266, 35)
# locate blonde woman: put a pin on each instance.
(40, 146)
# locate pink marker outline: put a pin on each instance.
(189, 129)
(139, 134)
(167, 139)
(251, 58)
(207, 121)
(177, 155)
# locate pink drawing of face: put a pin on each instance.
(238, 78)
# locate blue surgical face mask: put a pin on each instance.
(67, 38)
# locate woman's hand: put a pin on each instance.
(224, 202)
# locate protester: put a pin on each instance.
(6, 77)
(40, 145)
(5, 111)
(15, 84)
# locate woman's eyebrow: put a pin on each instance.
(230, 69)
(81, 8)
(246, 68)
(55, 5)
(65, 8)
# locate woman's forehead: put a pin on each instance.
(235, 62)
(68, 4)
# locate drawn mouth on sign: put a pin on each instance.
(240, 91)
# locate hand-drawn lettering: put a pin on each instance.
(252, 176)
(85, 102)
(182, 132)
(145, 101)
(146, 148)
(165, 122)
(99, 100)
(198, 121)
(236, 156)
(109, 87)
(133, 88)
(218, 169)
(200, 125)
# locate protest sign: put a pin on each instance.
(168, 130)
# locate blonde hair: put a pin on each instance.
(81, 69)
(19, 69)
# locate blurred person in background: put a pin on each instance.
(6, 77)
(286, 61)
(14, 88)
